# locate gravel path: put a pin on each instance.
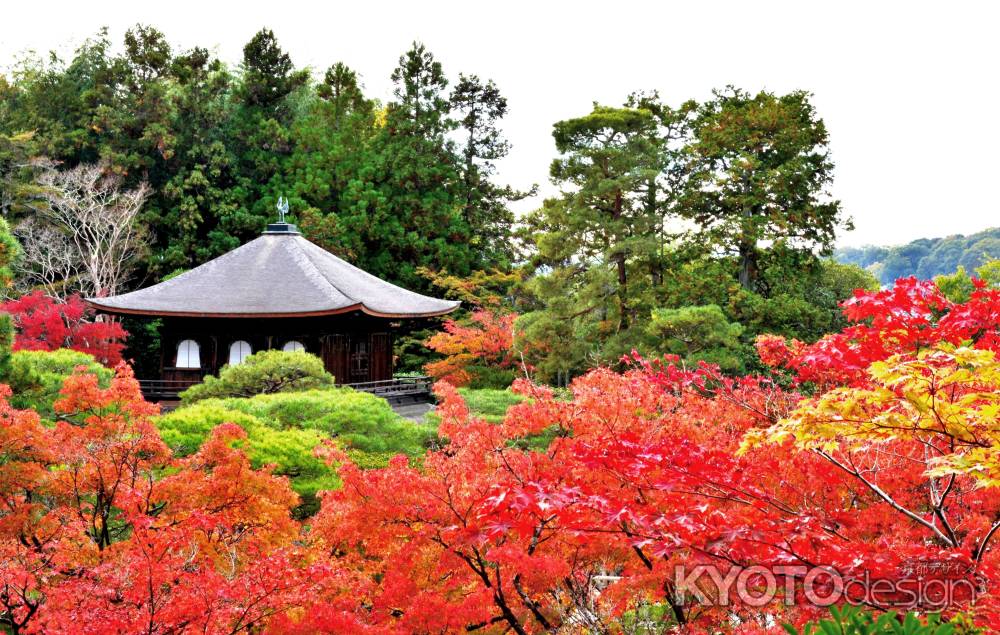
(413, 411)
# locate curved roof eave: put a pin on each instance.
(278, 274)
(96, 304)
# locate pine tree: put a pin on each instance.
(761, 169)
(405, 209)
(480, 107)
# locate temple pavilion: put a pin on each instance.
(279, 291)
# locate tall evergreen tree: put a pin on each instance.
(421, 104)
(480, 107)
(17, 188)
(269, 74)
(600, 221)
(9, 252)
(59, 102)
(405, 207)
(262, 130)
(331, 139)
(138, 139)
(662, 193)
(592, 243)
(190, 210)
(761, 172)
(341, 89)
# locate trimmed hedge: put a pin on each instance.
(484, 377)
(490, 404)
(284, 428)
(261, 373)
(36, 377)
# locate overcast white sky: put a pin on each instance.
(909, 91)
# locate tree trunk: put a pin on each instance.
(748, 265)
(622, 290)
(471, 176)
(748, 252)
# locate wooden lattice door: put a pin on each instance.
(360, 359)
(381, 357)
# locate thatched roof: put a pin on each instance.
(280, 274)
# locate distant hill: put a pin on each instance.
(924, 257)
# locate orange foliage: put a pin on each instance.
(487, 341)
(94, 540)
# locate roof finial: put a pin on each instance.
(282, 226)
(282, 208)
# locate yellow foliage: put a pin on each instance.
(380, 117)
(946, 396)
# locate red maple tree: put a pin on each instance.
(661, 467)
(911, 316)
(46, 324)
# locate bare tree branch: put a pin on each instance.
(98, 218)
(48, 261)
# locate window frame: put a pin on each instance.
(189, 342)
(249, 348)
(298, 343)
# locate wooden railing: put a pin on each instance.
(400, 387)
(396, 387)
(165, 389)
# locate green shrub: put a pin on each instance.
(850, 620)
(283, 429)
(490, 376)
(289, 450)
(6, 343)
(958, 286)
(185, 429)
(370, 460)
(489, 403)
(261, 373)
(357, 419)
(647, 617)
(36, 377)
(697, 333)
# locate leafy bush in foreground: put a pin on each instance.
(491, 404)
(261, 373)
(849, 620)
(289, 450)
